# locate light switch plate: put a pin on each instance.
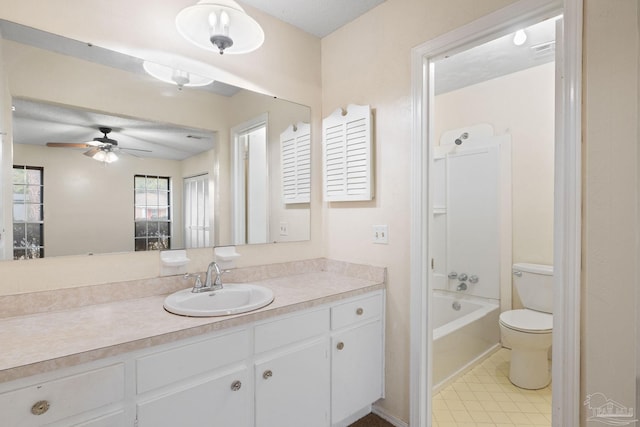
(381, 234)
(284, 228)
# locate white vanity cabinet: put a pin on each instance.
(315, 367)
(292, 371)
(203, 383)
(357, 354)
(90, 398)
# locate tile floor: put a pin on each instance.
(484, 397)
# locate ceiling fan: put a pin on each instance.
(101, 148)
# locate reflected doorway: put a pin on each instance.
(250, 182)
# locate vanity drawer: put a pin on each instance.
(291, 329)
(48, 402)
(355, 311)
(166, 367)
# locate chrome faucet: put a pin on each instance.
(209, 283)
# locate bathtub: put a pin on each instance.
(461, 337)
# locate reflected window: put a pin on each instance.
(152, 212)
(28, 212)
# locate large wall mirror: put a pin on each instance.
(107, 158)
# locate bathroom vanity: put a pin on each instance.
(314, 357)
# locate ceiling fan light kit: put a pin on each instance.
(103, 148)
(220, 25)
(174, 76)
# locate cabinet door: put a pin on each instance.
(292, 388)
(218, 402)
(356, 376)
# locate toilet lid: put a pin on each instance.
(527, 321)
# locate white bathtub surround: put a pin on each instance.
(56, 329)
(465, 332)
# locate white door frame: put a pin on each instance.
(567, 200)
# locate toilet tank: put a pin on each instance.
(534, 283)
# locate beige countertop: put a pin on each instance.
(41, 342)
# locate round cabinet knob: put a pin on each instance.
(40, 407)
(340, 345)
(267, 374)
(360, 311)
(236, 385)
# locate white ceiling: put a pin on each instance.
(496, 58)
(317, 17)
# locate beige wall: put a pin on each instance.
(368, 62)
(89, 205)
(610, 228)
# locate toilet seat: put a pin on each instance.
(528, 321)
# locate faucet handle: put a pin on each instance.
(198, 283)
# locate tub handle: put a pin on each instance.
(473, 279)
(463, 277)
(453, 275)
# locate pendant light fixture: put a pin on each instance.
(174, 76)
(220, 25)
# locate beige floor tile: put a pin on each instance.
(473, 405)
(539, 420)
(499, 417)
(456, 405)
(527, 408)
(491, 406)
(500, 397)
(459, 386)
(480, 417)
(476, 387)
(519, 418)
(484, 397)
(444, 416)
(509, 407)
(462, 416)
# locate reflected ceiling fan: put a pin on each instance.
(103, 148)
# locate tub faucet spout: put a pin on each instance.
(462, 287)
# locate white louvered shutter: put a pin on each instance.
(295, 145)
(347, 155)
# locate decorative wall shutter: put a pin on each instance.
(295, 145)
(347, 155)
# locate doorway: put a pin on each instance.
(566, 240)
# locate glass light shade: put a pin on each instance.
(176, 77)
(207, 19)
(105, 156)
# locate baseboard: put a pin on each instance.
(388, 417)
(437, 388)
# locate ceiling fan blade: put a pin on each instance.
(68, 144)
(134, 149)
(92, 152)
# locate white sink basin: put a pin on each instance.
(232, 299)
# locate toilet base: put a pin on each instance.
(529, 369)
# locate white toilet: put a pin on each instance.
(528, 331)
